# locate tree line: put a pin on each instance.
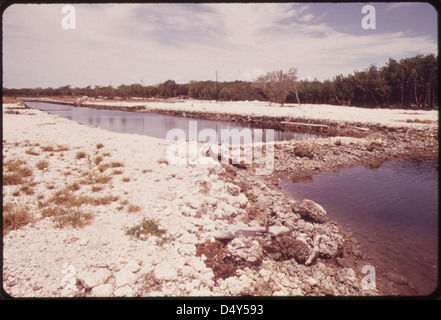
(407, 83)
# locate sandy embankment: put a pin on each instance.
(380, 117)
(188, 201)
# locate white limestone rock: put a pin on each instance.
(125, 277)
(164, 271)
(103, 290)
(92, 278)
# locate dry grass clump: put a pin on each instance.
(65, 206)
(97, 188)
(74, 186)
(27, 190)
(15, 216)
(42, 164)
(98, 160)
(160, 161)
(51, 148)
(14, 165)
(80, 155)
(122, 204)
(131, 208)
(62, 148)
(102, 179)
(66, 197)
(75, 217)
(48, 148)
(32, 152)
(99, 146)
(104, 200)
(17, 172)
(12, 179)
(92, 178)
(116, 164)
(104, 166)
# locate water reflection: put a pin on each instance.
(154, 125)
(392, 210)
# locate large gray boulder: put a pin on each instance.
(310, 210)
(331, 241)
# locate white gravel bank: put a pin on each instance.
(41, 260)
(388, 117)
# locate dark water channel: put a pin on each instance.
(391, 210)
(154, 125)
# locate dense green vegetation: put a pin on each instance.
(407, 83)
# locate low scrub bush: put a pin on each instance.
(146, 228)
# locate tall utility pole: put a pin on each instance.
(217, 94)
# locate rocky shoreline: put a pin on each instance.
(299, 160)
(306, 255)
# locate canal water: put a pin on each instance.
(391, 210)
(154, 125)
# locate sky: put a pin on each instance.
(114, 44)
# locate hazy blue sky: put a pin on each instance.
(124, 43)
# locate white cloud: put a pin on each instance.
(156, 42)
(306, 18)
(398, 5)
